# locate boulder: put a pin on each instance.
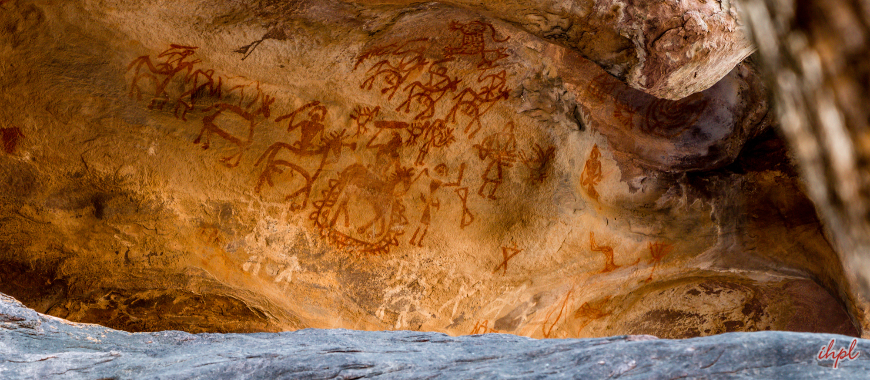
(47, 347)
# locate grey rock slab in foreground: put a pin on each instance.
(36, 346)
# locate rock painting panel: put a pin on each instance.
(431, 201)
(657, 251)
(656, 118)
(592, 175)
(361, 207)
(312, 144)
(475, 103)
(428, 94)
(482, 327)
(559, 311)
(668, 118)
(507, 254)
(397, 64)
(607, 251)
(606, 89)
(253, 113)
(363, 210)
(590, 311)
(279, 269)
(538, 162)
(157, 76)
(467, 216)
(473, 41)
(500, 151)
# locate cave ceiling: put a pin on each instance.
(561, 169)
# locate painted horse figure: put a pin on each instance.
(161, 74)
(253, 117)
(280, 156)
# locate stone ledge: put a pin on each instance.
(34, 345)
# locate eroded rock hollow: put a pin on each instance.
(549, 170)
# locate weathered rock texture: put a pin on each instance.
(237, 167)
(669, 49)
(815, 54)
(39, 346)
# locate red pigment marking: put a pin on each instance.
(508, 253)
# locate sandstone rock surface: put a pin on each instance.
(668, 49)
(39, 346)
(216, 167)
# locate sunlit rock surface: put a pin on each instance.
(218, 168)
(38, 346)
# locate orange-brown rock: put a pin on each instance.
(669, 49)
(220, 168)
